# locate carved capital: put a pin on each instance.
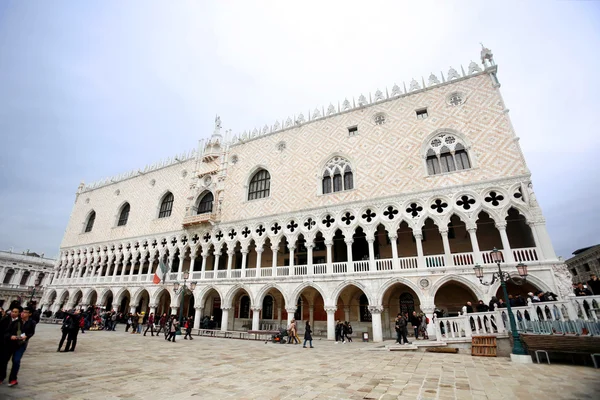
(472, 229)
(290, 310)
(329, 242)
(330, 310)
(349, 241)
(275, 248)
(393, 236)
(226, 308)
(292, 248)
(418, 235)
(501, 226)
(256, 309)
(259, 249)
(375, 309)
(152, 305)
(443, 231)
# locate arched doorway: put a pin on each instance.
(273, 315)
(242, 317)
(353, 307)
(398, 298)
(163, 305)
(452, 295)
(143, 302)
(211, 309)
(123, 302)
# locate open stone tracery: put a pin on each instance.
(396, 223)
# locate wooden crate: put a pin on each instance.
(483, 346)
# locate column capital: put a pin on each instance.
(393, 236)
(226, 308)
(349, 241)
(256, 309)
(500, 225)
(346, 308)
(330, 310)
(309, 245)
(471, 229)
(275, 248)
(244, 251)
(152, 305)
(230, 252)
(329, 242)
(198, 307)
(418, 235)
(292, 248)
(443, 231)
(291, 310)
(311, 307)
(375, 309)
(259, 249)
(370, 239)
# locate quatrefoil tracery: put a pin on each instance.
(309, 223)
(260, 230)
(494, 198)
(414, 210)
(292, 226)
(348, 218)
(465, 202)
(328, 221)
(369, 215)
(246, 232)
(439, 205)
(390, 212)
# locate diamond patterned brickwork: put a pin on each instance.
(144, 199)
(387, 159)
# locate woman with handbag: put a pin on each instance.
(307, 335)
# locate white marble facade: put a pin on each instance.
(376, 205)
(19, 273)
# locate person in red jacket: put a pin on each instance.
(150, 325)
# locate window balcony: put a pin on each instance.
(192, 220)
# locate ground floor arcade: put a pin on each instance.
(370, 303)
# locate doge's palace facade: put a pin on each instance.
(354, 211)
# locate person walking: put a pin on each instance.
(19, 331)
(401, 327)
(423, 326)
(65, 331)
(173, 329)
(307, 335)
(73, 331)
(347, 330)
(414, 321)
(140, 317)
(150, 325)
(129, 322)
(162, 322)
(189, 323)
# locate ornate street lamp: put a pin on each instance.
(504, 277)
(178, 288)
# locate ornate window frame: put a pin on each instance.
(460, 143)
(201, 196)
(256, 170)
(336, 162)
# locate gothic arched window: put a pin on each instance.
(205, 205)
(446, 153)
(166, 205)
(365, 314)
(124, 216)
(260, 185)
(8, 276)
(337, 176)
(90, 222)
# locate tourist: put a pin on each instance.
(307, 335)
(423, 326)
(16, 336)
(414, 321)
(129, 322)
(501, 303)
(189, 323)
(72, 331)
(173, 329)
(469, 307)
(347, 329)
(533, 298)
(134, 322)
(482, 307)
(401, 327)
(594, 284)
(113, 321)
(339, 332)
(140, 323)
(292, 332)
(582, 291)
(493, 304)
(82, 323)
(162, 322)
(150, 325)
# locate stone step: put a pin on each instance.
(402, 347)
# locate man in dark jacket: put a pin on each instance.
(594, 284)
(581, 291)
(414, 321)
(17, 336)
(401, 329)
(73, 331)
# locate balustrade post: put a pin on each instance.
(571, 307)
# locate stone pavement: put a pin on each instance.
(115, 365)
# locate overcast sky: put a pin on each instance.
(91, 89)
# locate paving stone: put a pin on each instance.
(119, 366)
